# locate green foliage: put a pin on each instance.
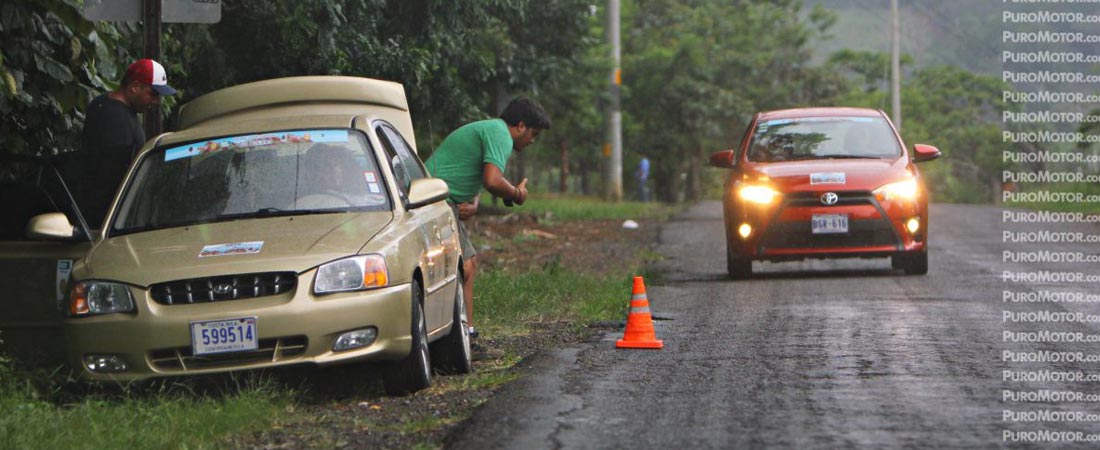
(37, 414)
(696, 71)
(956, 110)
(508, 300)
(571, 207)
(52, 63)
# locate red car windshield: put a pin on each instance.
(823, 138)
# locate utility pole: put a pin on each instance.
(895, 64)
(614, 148)
(151, 23)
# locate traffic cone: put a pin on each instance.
(639, 323)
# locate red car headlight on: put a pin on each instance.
(760, 195)
(904, 190)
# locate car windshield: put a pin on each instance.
(823, 138)
(254, 175)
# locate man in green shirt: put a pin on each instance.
(474, 157)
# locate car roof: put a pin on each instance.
(292, 103)
(819, 112)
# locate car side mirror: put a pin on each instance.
(426, 191)
(52, 226)
(724, 159)
(922, 153)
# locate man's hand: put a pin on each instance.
(521, 192)
(468, 210)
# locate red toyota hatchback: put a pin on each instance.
(824, 183)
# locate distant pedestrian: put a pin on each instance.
(641, 175)
(112, 136)
(474, 157)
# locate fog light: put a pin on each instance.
(355, 339)
(745, 230)
(913, 225)
(104, 363)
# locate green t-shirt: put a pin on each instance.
(460, 158)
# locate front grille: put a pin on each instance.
(844, 198)
(221, 288)
(861, 233)
(270, 350)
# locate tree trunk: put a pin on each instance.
(694, 187)
(563, 180)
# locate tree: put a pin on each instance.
(696, 71)
(52, 63)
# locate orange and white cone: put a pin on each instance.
(639, 323)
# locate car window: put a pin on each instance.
(255, 175)
(406, 166)
(823, 137)
(27, 189)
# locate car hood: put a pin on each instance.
(292, 244)
(859, 174)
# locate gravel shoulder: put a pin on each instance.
(336, 413)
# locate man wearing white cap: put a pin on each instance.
(113, 134)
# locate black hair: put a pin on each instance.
(526, 110)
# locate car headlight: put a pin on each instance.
(761, 195)
(350, 274)
(90, 298)
(898, 190)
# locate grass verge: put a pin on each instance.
(37, 411)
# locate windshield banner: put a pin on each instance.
(254, 140)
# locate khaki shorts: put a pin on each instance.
(468, 250)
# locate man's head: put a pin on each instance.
(525, 119)
(143, 84)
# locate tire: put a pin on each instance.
(912, 263)
(738, 267)
(414, 372)
(451, 355)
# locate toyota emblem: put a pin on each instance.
(829, 198)
(223, 288)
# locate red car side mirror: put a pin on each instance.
(923, 153)
(724, 159)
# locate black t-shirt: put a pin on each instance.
(111, 138)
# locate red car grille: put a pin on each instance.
(799, 234)
(861, 233)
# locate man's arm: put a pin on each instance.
(499, 186)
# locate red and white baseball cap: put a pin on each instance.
(152, 73)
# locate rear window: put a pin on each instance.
(823, 138)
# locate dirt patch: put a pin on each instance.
(355, 414)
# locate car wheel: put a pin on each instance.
(739, 267)
(414, 372)
(915, 263)
(451, 355)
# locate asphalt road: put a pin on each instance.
(819, 354)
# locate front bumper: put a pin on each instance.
(295, 327)
(783, 232)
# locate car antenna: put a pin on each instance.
(431, 136)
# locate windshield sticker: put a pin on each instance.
(827, 178)
(371, 177)
(238, 248)
(254, 140)
(64, 269)
(818, 119)
(373, 188)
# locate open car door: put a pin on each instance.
(35, 269)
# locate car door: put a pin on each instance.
(35, 272)
(437, 227)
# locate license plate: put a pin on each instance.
(223, 336)
(829, 223)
